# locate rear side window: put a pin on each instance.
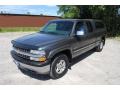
(79, 25)
(99, 25)
(89, 26)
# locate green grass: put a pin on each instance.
(19, 29)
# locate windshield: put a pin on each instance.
(58, 28)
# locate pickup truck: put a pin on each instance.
(51, 50)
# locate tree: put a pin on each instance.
(69, 11)
(2, 12)
(28, 13)
(104, 12)
(74, 11)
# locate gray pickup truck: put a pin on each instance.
(51, 50)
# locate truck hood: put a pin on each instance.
(39, 39)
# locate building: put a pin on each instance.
(23, 20)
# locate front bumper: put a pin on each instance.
(40, 68)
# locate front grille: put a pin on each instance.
(23, 56)
(22, 50)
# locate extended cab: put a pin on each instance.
(51, 50)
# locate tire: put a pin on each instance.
(56, 71)
(100, 46)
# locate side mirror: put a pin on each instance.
(80, 33)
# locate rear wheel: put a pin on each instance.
(59, 66)
(100, 46)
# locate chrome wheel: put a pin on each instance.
(60, 67)
(101, 45)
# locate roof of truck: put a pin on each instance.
(76, 20)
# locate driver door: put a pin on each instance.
(79, 43)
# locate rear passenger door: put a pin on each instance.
(82, 45)
(90, 34)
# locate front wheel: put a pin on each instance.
(59, 66)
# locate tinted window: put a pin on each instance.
(99, 25)
(52, 27)
(58, 28)
(79, 26)
(89, 26)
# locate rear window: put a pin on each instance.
(99, 25)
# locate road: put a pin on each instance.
(90, 68)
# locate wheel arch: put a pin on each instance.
(67, 52)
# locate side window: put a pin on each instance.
(79, 26)
(99, 25)
(89, 26)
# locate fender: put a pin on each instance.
(58, 50)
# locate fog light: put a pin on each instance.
(42, 59)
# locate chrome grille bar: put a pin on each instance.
(25, 53)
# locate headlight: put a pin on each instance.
(40, 53)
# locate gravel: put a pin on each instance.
(90, 68)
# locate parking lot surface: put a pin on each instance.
(90, 68)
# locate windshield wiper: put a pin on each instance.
(42, 32)
(51, 33)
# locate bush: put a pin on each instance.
(19, 29)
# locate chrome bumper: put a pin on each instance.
(39, 70)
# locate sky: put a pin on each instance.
(33, 9)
